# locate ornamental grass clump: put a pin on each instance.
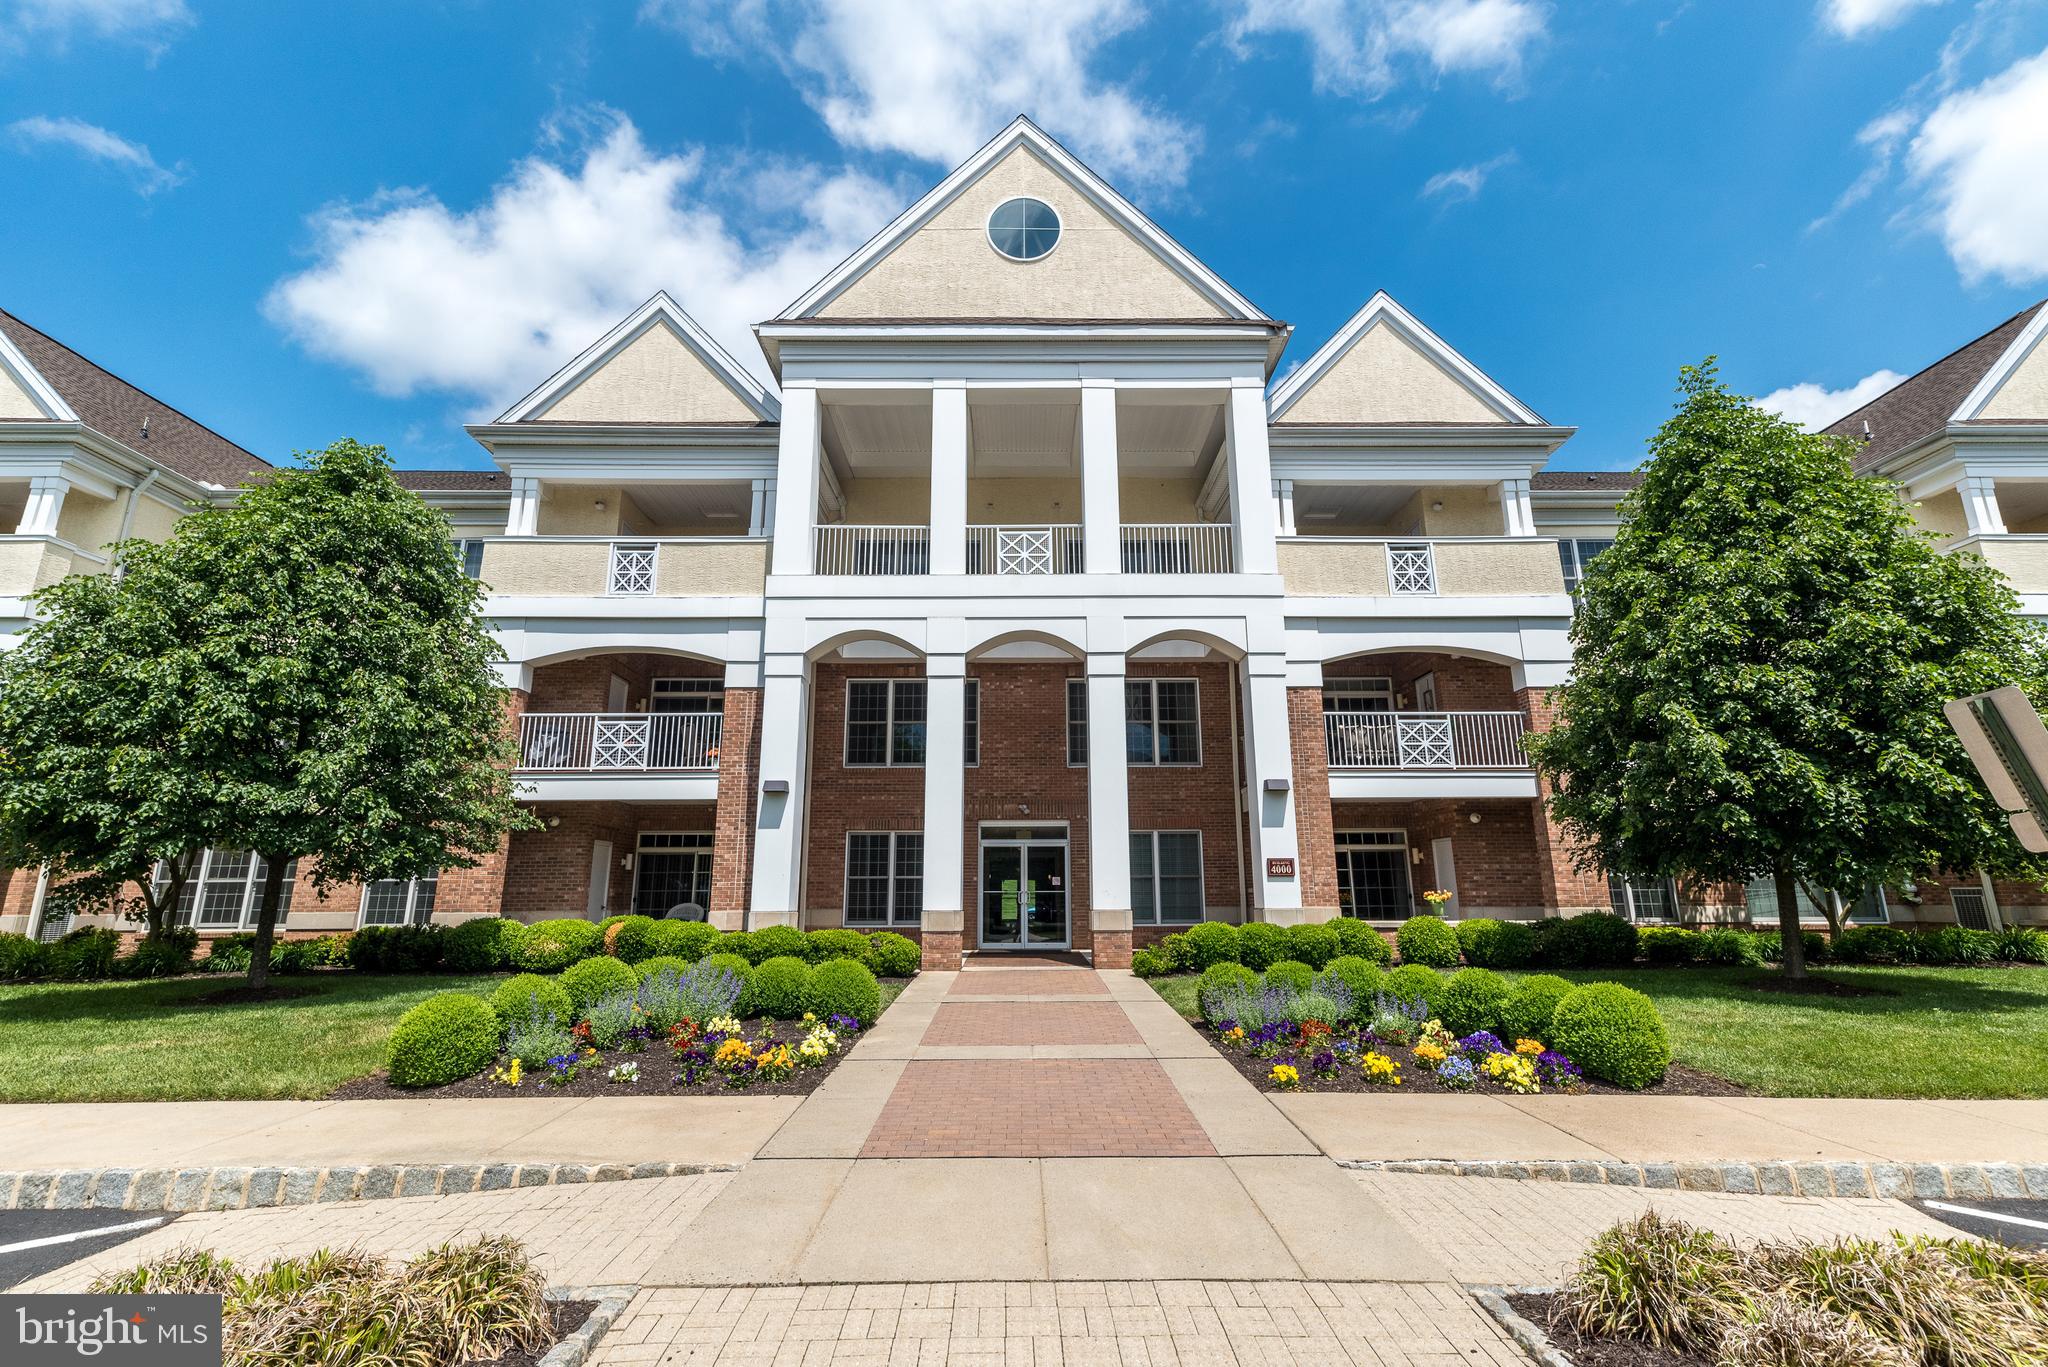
(1656, 1281)
(1780, 1332)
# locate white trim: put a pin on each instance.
(1024, 133)
(1381, 308)
(660, 309)
(2001, 369)
(988, 231)
(39, 388)
(412, 902)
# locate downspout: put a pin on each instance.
(1240, 808)
(128, 514)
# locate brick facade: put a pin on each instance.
(1565, 888)
(1313, 825)
(1495, 858)
(739, 782)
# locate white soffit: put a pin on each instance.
(1381, 310)
(660, 311)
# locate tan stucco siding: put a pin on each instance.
(2024, 563)
(34, 563)
(154, 520)
(903, 501)
(712, 569)
(654, 378)
(545, 569)
(2024, 395)
(1334, 569)
(1469, 510)
(1491, 567)
(15, 400)
(947, 269)
(91, 523)
(1385, 378)
(1942, 513)
(1159, 500)
(1023, 502)
(571, 510)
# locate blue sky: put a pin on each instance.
(382, 220)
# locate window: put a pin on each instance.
(1024, 229)
(884, 722)
(1166, 876)
(226, 891)
(1358, 695)
(1411, 568)
(670, 869)
(884, 877)
(1643, 899)
(686, 695)
(1869, 908)
(1077, 723)
(1372, 875)
(399, 901)
(970, 721)
(471, 549)
(1577, 557)
(1162, 722)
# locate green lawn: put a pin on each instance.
(1948, 1032)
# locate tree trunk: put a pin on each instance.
(1794, 962)
(266, 919)
(158, 905)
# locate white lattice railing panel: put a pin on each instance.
(1411, 568)
(640, 741)
(1425, 740)
(632, 570)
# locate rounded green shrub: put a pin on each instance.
(1313, 945)
(483, 944)
(779, 988)
(445, 1038)
(740, 942)
(1487, 943)
(1416, 983)
(893, 956)
(1727, 946)
(1179, 956)
(594, 978)
(1427, 940)
(551, 946)
(1290, 974)
(1598, 939)
(821, 946)
(1218, 977)
(773, 942)
(1669, 946)
(604, 927)
(632, 939)
(685, 940)
(663, 963)
(843, 987)
(1614, 1033)
(1261, 944)
(1151, 963)
(1359, 940)
(1530, 1006)
(514, 999)
(734, 964)
(1212, 942)
(1473, 1000)
(1362, 976)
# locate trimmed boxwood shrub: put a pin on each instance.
(1151, 963)
(773, 942)
(685, 940)
(894, 956)
(1598, 939)
(515, 998)
(1487, 943)
(395, 949)
(1473, 1000)
(823, 945)
(1217, 977)
(1179, 955)
(1427, 940)
(21, 959)
(599, 977)
(1361, 975)
(1212, 942)
(1359, 940)
(778, 989)
(1260, 944)
(740, 942)
(660, 963)
(1416, 982)
(632, 939)
(551, 946)
(731, 963)
(445, 1038)
(1313, 945)
(1530, 1006)
(1614, 1033)
(483, 944)
(1668, 945)
(1290, 974)
(843, 987)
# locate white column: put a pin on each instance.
(1109, 797)
(1269, 755)
(761, 518)
(1980, 505)
(796, 481)
(949, 483)
(1101, 501)
(945, 790)
(1251, 479)
(1516, 514)
(778, 823)
(45, 502)
(523, 517)
(1283, 507)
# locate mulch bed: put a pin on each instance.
(1419, 1077)
(658, 1075)
(1585, 1352)
(568, 1317)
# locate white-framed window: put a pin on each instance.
(225, 891)
(970, 723)
(1166, 877)
(632, 570)
(1870, 907)
(1373, 881)
(471, 549)
(686, 695)
(671, 868)
(1576, 555)
(1643, 899)
(884, 877)
(1023, 229)
(1162, 721)
(1362, 693)
(884, 722)
(1411, 567)
(399, 901)
(1077, 723)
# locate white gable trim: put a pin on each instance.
(2001, 370)
(1024, 133)
(29, 378)
(1381, 309)
(660, 311)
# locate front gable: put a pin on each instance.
(1384, 366)
(2015, 389)
(25, 394)
(659, 367)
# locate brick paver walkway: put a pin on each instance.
(1036, 1108)
(1029, 982)
(1008, 1022)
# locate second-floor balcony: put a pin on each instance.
(1424, 741)
(619, 742)
(1383, 567)
(1024, 550)
(624, 567)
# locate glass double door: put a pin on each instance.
(1024, 892)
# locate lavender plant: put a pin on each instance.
(1395, 1020)
(661, 999)
(1250, 1007)
(708, 993)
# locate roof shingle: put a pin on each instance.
(1920, 406)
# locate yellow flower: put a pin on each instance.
(1430, 1053)
(1285, 1075)
(1528, 1046)
(733, 1051)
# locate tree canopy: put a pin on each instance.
(1760, 662)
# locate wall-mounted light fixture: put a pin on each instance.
(775, 786)
(1277, 785)
(553, 821)
(1473, 818)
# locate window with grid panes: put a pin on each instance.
(970, 718)
(400, 901)
(1576, 556)
(225, 891)
(885, 721)
(1077, 723)
(1166, 876)
(884, 877)
(471, 549)
(1162, 723)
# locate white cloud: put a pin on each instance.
(1363, 47)
(1464, 182)
(1980, 155)
(1882, 137)
(1854, 18)
(486, 302)
(937, 81)
(1813, 406)
(21, 20)
(99, 144)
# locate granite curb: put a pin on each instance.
(575, 1348)
(191, 1189)
(1893, 1181)
(1527, 1334)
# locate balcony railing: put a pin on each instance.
(1054, 549)
(846, 548)
(1425, 740)
(610, 742)
(1176, 548)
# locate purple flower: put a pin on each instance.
(1482, 1042)
(1555, 1070)
(1324, 1062)
(839, 1022)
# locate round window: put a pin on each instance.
(1023, 229)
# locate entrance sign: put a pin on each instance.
(1279, 868)
(2006, 741)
